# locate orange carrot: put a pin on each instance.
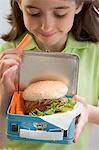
(13, 103)
(17, 102)
(20, 104)
(25, 41)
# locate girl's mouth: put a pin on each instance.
(47, 34)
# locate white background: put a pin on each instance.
(4, 10)
(4, 27)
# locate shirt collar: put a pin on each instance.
(71, 43)
(32, 45)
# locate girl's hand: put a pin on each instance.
(83, 119)
(9, 62)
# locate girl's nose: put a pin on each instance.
(47, 23)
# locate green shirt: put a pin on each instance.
(88, 87)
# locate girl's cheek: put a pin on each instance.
(31, 23)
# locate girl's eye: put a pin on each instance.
(35, 12)
(35, 15)
(60, 15)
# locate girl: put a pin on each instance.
(68, 26)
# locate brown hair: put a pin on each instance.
(85, 27)
(86, 24)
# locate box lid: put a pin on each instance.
(49, 66)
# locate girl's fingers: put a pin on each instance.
(11, 56)
(14, 52)
(9, 78)
(82, 121)
(9, 61)
(80, 99)
(6, 64)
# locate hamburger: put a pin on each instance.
(46, 98)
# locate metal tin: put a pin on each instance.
(44, 66)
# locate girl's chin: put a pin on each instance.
(49, 41)
(49, 44)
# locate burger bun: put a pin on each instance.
(41, 90)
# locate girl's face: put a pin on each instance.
(49, 20)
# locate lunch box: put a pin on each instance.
(44, 66)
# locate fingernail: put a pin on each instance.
(74, 141)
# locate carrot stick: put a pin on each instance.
(22, 45)
(20, 104)
(17, 102)
(25, 41)
(13, 103)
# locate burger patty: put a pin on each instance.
(31, 105)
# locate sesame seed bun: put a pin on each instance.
(45, 90)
